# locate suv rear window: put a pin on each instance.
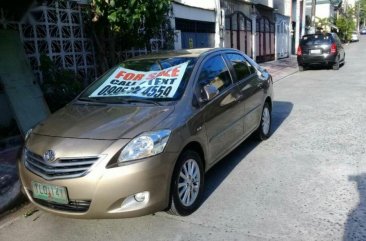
(316, 39)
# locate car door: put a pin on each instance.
(250, 89)
(221, 114)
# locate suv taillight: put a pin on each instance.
(333, 48)
(299, 51)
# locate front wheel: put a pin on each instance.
(264, 130)
(187, 184)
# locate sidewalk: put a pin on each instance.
(281, 68)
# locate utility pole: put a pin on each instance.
(313, 8)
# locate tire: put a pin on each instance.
(301, 68)
(264, 130)
(336, 64)
(186, 194)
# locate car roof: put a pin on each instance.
(171, 53)
(193, 53)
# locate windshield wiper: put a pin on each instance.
(144, 101)
(103, 100)
(89, 99)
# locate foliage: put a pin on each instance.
(59, 86)
(118, 25)
(362, 12)
(346, 24)
(323, 23)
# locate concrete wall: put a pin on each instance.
(283, 7)
(5, 111)
(268, 3)
(206, 4)
(208, 11)
(322, 10)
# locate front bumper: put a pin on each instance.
(101, 192)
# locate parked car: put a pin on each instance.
(140, 139)
(354, 37)
(363, 31)
(323, 49)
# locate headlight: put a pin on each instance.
(145, 145)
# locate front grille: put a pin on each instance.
(60, 168)
(72, 206)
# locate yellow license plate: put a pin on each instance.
(51, 193)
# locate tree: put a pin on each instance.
(346, 24)
(323, 23)
(362, 13)
(118, 25)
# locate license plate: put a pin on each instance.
(315, 51)
(50, 193)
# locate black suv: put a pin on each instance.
(320, 49)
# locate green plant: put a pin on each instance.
(118, 25)
(59, 86)
(346, 24)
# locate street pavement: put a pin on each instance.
(307, 182)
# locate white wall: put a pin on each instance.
(194, 13)
(268, 3)
(204, 4)
(200, 10)
(283, 7)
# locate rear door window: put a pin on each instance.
(241, 66)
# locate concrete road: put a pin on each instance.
(307, 182)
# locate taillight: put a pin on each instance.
(333, 48)
(299, 51)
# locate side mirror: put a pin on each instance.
(209, 92)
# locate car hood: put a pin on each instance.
(103, 122)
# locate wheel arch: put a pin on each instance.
(269, 101)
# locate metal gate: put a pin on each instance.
(239, 32)
(282, 35)
(265, 40)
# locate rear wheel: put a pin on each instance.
(264, 130)
(336, 64)
(187, 184)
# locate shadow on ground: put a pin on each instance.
(218, 173)
(355, 227)
(321, 67)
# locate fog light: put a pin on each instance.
(134, 202)
(140, 197)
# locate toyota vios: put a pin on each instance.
(140, 139)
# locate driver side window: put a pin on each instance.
(215, 72)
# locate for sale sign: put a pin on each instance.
(151, 84)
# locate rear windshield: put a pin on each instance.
(316, 39)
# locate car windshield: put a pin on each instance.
(316, 39)
(144, 80)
